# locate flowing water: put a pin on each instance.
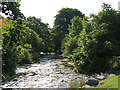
(47, 73)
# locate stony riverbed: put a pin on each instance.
(47, 73)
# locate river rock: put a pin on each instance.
(111, 75)
(31, 74)
(100, 78)
(86, 86)
(106, 75)
(15, 79)
(92, 82)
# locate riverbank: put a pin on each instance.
(111, 82)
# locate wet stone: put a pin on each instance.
(92, 82)
(15, 79)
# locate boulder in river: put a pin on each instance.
(92, 82)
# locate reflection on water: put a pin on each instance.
(48, 73)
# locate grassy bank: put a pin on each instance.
(112, 82)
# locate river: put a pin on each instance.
(47, 73)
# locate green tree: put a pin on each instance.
(98, 42)
(76, 26)
(33, 39)
(13, 51)
(111, 18)
(42, 30)
(62, 20)
(56, 33)
(70, 41)
(11, 9)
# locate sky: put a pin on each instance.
(47, 9)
